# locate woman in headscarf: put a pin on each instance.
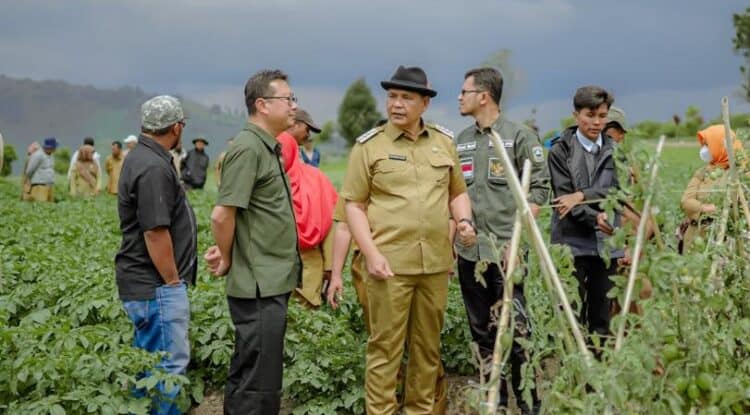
(314, 199)
(83, 181)
(706, 190)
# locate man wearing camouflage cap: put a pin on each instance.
(157, 258)
(616, 126)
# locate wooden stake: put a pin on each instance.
(522, 205)
(512, 262)
(638, 245)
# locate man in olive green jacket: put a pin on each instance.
(494, 210)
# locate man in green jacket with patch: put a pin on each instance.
(494, 211)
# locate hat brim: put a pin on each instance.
(408, 86)
(314, 128)
(616, 124)
(200, 139)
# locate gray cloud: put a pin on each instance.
(207, 49)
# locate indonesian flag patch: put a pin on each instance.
(467, 168)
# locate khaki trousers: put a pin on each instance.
(404, 309)
(42, 193)
(314, 262)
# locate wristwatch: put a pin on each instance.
(469, 221)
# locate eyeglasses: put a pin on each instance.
(291, 99)
(182, 123)
(471, 91)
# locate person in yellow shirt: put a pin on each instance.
(113, 166)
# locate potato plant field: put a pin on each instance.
(65, 339)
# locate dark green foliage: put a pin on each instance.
(357, 112)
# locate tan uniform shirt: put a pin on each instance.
(406, 186)
(113, 166)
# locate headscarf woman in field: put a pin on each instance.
(85, 174)
(706, 189)
(314, 198)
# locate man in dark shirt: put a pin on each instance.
(195, 165)
(256, 246)
(157, 258)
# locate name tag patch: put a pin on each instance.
(467, 146)
(396, 157)
(467, 167)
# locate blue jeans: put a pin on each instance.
(161, 325)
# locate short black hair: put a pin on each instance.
(117, 144)
(259, 85)
(592, 97)
(88, 141)
(488, 79)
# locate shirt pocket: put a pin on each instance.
(440, 168)
(496, 172)
(392, 176)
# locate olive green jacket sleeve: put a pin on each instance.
(530, 147)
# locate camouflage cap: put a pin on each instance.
(161, 112)
(617, 116)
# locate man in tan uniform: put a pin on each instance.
(402, 185)
(113, 166)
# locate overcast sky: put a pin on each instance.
(657, 57)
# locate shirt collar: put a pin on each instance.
(395, 133)
(586, 143)
(157, 148)
(270, 142)
(495, 125)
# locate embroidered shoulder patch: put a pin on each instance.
(444, 130)
(368, 135)
(537, 153)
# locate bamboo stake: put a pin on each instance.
(497, 354)
(537, 240)
(638, 246)
(732, 184)
(729, 144)
(745, 208)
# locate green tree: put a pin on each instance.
(358, 111)
(9, 156)
(326, 132)
(691, 123)
(567, 122)
(62, 160)
(741, 43)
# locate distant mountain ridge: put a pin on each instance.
(31, 110)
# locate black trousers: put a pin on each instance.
(478, 301)
(593, 285)
(255, 371)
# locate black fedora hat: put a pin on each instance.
(410, 79)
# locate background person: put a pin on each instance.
(706, 187)
(195, 165)
(314, 198)
(41, 173)
(85, 175)
(88, 141)
(25, 183)
(113, 166)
